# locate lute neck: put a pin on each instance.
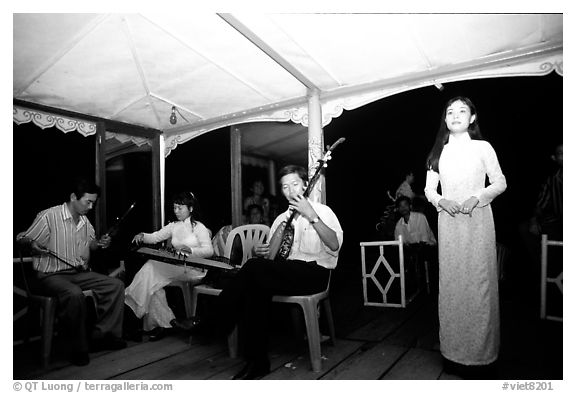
(308, 190)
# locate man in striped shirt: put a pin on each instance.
(60, 240)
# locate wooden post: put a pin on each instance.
(272, 177)
(315, 144)
(100, 177)
(236, 175)
(158, 181)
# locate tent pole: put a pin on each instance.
(100, 177)
(236, 175)
(158, 160)
(315, 143)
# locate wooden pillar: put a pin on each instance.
(236, 175)
(272, 177)
(315, 143)
(100, 178)
(158, 181)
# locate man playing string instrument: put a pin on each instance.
(60, 240)
(314, 252)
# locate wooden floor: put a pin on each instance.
(373, 343)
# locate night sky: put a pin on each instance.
(521, 117)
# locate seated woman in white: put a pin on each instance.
(145, 295)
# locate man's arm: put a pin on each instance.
(32, 246)
(327, 235)
(34, 238)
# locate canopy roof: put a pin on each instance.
(223, 69)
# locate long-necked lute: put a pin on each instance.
(283, 237)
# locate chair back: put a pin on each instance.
(383, 266)
(249, 235)
(551, 276)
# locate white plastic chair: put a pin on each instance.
(310, 308)
(249, 236)
(545, 279)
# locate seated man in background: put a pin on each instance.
(60, 240)
(413, 226)
(417, 236)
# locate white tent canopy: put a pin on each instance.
(222, 69)
(218, 70)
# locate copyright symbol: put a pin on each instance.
(17, 386)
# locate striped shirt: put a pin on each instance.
(549, 205)
(54, 228)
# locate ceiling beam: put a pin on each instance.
(268, 50)
(508, 58)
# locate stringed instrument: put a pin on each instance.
(180, 257)
(283, 237)
(113, 230)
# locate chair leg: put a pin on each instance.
(297, 321)
(193, 303)
(48, 319)
(186, 294)
(328, 311)
(427, 273)
(233, 343)
(313, 332)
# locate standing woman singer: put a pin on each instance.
(468, 290)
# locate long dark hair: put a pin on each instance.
(187, 198)
(444, 133)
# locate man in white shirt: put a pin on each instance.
(413, 226)
(302, 269)
(419, 245)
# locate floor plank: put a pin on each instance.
(117, 362)
(368, 363)
(418, 325)
(417, 364)
(182, 365)
(380, 327)
(301, 369)
(282, 349)
(373, 343)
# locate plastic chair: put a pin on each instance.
(545, 279)
(47, 307)
(186, 287)
(249, 236)
(310, 304)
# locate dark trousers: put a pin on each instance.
(246, 299)
(72, 311)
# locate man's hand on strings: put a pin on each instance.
(302, 206)
(104, 241)
(138, 239)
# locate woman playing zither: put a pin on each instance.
(145, 295)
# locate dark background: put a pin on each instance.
(520, 116)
